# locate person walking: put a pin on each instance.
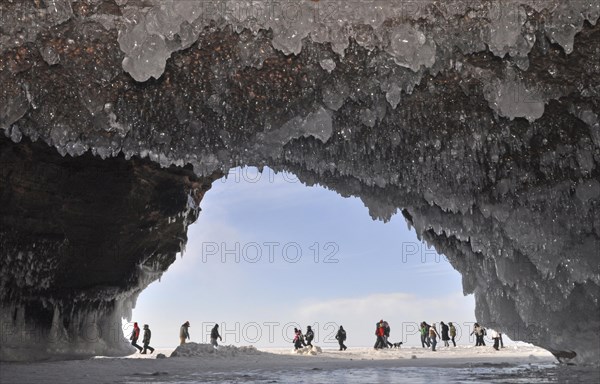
(474, 332)
(135, 335)
(452, 333)
(310, 335)
(379, 332)
(478, 331)
(445, 336)
(496, 338)
(427, 340)
(433, 334)
(481, 335)
(386, 335)
(501, 341)
(297, 339)
(146, 340)
(184, 333)
(214, 335)
(341, 337)
(423, 332)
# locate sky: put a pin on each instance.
(268, 254)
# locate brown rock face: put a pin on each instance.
(79, 238)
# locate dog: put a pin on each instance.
(397, 345)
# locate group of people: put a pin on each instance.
(135, 335)
(301, 340)
(429, 334)
(305, 340)
(184, 334)
(382, 332)
(479, 332)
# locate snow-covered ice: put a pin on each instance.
(229, 364)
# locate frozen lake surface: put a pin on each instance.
(489, 373)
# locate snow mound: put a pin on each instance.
(203, 350)
(313, 350)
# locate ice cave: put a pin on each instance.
(478, 121)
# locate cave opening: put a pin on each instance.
(269, 253)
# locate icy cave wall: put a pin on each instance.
(479, 120)
(79, 239)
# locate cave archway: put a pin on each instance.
(301, 256)
(51, 290)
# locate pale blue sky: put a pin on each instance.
(268, 228)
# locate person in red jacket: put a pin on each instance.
(380, 333)
(135, 335)
(297, 338)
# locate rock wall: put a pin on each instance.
(79, 239)
(477, 120)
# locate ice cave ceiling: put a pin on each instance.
(477, 120)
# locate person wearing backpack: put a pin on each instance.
(341, 337)
(310, 335)
(146, 340)
(214, 335)
(184, 333)
(452, 333)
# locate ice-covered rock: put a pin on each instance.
(310, 350)
(511, 98)
(207, 350)
(317, 124)
(411, 48)
(328, 65)
(49, 310)
(477, 120)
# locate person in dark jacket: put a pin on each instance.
(483, 334)
(496, 338)
(146, 340)
(309, 336)
(214, 335)
(341, 337)
(135, 335)
(445, 336)
(386, 334)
